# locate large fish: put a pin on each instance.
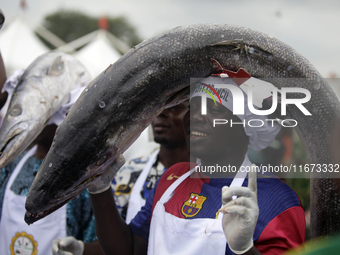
(123, 100)
(42, 89)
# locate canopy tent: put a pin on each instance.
(19, 45)
(98, 54)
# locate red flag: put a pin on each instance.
(103, 23)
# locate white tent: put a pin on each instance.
(98, 54)
(19, 45)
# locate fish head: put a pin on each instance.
(63, 188)
(22, 123)
(41, 90)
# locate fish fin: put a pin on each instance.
(57, 67)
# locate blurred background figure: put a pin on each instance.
(137, 178)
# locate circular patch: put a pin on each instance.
(23, 243)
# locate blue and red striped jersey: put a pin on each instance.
(281, 223)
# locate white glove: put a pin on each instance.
(67, 246)
(103, 182)
(240, 215)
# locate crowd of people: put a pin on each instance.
(159, 203)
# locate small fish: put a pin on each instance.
(123, 100)
(42, 89)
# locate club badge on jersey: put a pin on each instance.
(193, 205)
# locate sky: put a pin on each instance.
(309, 26)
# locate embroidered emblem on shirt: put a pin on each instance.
(171, 176)
(193, 205)
(23, 243)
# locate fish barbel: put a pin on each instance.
(42, 89)
(123, 100)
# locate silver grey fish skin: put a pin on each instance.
(125, 98)
(42, 89)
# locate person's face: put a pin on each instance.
(209, 142)
(168, 126)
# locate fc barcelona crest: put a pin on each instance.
(193, 205)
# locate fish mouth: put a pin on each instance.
(8, 144)
(93, 171)
(65, 197)
(19, 137)
(10, 140)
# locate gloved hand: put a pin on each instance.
(103, 182)
(67, 246)
(240, 215)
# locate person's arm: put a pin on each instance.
(92, 248)
(114, 235)
(70, 245)
(283, 232)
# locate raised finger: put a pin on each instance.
(230, 193)
(242, 201)
(252, 180)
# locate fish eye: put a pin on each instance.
(101, 160)
(16, 110)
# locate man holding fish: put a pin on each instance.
(199, 212)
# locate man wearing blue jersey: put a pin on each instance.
(209, 212)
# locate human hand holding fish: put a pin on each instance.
(103, 182)
(67, 246)
(240, 215)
